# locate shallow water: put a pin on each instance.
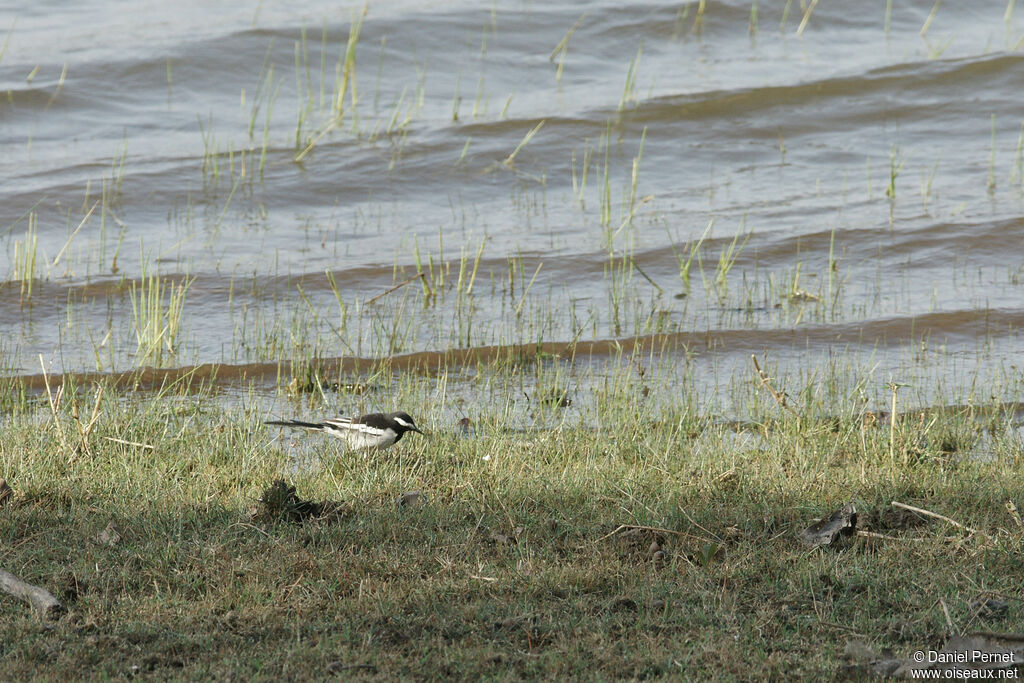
(871, 173)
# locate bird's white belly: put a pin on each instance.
(359, 439)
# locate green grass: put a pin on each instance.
(513, 567)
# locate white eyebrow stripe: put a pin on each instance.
(402, 422)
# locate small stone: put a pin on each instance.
(412, 499)
(502, 539)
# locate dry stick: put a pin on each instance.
(766, 381)
(39, 598)
(885, 537)
(400, 284)
(892, 423)
(84, 432)
(929, 513)
(807, 17)
(75, 232)
(53, 405)
(622, 527)
(145, 446)
(949, 622)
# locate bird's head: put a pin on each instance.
(406, 422)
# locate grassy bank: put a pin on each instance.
(514, 562)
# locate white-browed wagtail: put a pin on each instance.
(371, 431)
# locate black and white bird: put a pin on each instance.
(370, 431)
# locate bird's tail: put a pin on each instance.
(295, 423)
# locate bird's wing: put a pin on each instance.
(345, 426)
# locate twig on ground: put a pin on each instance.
(40, 598)
(873, 534)
(623, 527)
(145, 446)
(929, 513)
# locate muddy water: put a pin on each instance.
(848, 183)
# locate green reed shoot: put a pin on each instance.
(479, 100)
(563, 47)
(464, 285)
(7, 39)
(606, 187)
(698, 20)
(680, 21)
(1017, 173)
(992, 159)
(346, 80)
(266, 77)
(465, 150)
(157, 306)
(833, 264)
(25, 260)
(896, 162)
(579, 186)
(628, 218)
(785, 15)
(380, 73)
(931, 18)
(427, 280)
(510, 160)
(266, 129)
(629, 88)
(456, 99)
(728, 256)
(685, 259)
(526, 291)
(926, 183)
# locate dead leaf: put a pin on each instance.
(110, 536)
(843, 522)
(280, 502)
